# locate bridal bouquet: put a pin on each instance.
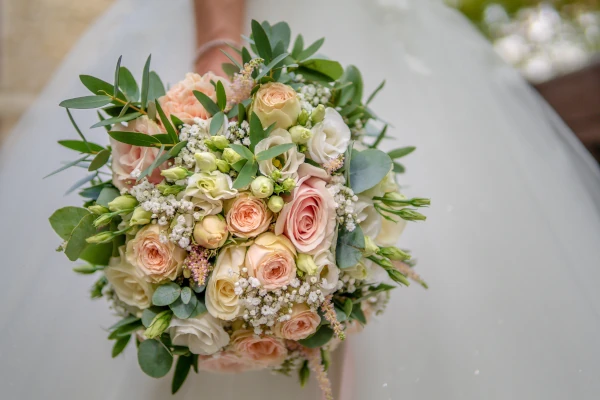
(239, 224)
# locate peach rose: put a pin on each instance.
(276, 103)
(226, 362)
(303, 322)
(309, 219)
(127, 158)
(263, 350)
(156, 260)
(271, 260)
(180, 99)
(247, 216)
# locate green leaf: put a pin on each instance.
(154, 359)
(157, 88)
(77, 129)
(146, 82)
(246, 57)
(134, 138)
(76, 242)
(186, 295)
(166, 294)
(65, 219)
(86, 102)
(221, 96)
(107, 195)
(320, 338)
(80, 183)
(99, 161)
(126, 330)
(164, 156)
(120, 345)
(379, 137)
(246, 175)
(298, 46)
(229, 69)
(182, 369)
(304, 373)
(148, 315)
(263, 46)
(216, 123)
(239, 165)
(274, 151)
(349, 247)
(235, 62)
(352, 74)
(348, 307)
(207, 103)
(164, 138)
(128, 84)
(257, 132)
(331, 69)
(177, 123)
(280, 32)
(166, 123)
(398, 168)
(177, 148)
(125, 321)
(97, 254)
(81, 146)
(67, 165)
(368, 168)
(272, 65)
(372, 96)
(242, 151)
(116, 84)
(401, 152)
(98, 86)
(116, 120)
(310, 50)
(358, 314)
(193, 308)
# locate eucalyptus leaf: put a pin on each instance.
(257, 132)
(246, 175)
(182, 369)
(186, 295)
(272, 65)
(235, 62)
(242, 151)
(368, 168)
(98, 86)
(134, 138)
(216, 123)
(331, 69)
(116, 83)
(352, 74)
(107, 195)
(298, 46)
(125, 321)
(86, 102)
(149, 314)
(358, 314)
(166, 123)
(164, 156)
(281, 33)
(193, 308)
(146, 82)
(274, 151)
(128, 84)
(99, 161)
(65, 219)
(166, 294)
(310, 50)
(263, 46)
(157, 88)
(80, 183)
(349, 247)
(320, 338)
(401, 152)
(177, 148)
(154, 359)
(207, 102)
(229, 69)
(372, 96)
(398, 168)
(97, 254)
(120, 345)
(221, 96)
(116, 120)
(77, 240)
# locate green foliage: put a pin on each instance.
(86, 102)
(186, 295)
(166, 294)
(182, 369)
(221, 96)
(310, 50)
(216, 123)
(65, 219)
(274, 151)
(350, 246)
(246, 175)
(99, 87)
(304, 373)
(368, 168)
(116, 120)
(157, 88)
(319, 339)
(193, 308)
(146, 82)
(77, 239)
(134, 138)
(263, 46)
(207, 103)
(120, 345)
(99, 161)
(128, 84)
(331, 69)
(154, 358)
(401, 152)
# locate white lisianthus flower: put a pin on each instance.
(390, 232)
(287, 163)
(367, 216)
(128, 282)
(330, 137)
(207, 190)
(327, 271)
(203, 335)
(221, 300)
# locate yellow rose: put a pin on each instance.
(276, 103)
(221, 300)
(158, 261)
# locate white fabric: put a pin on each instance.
(510, 249)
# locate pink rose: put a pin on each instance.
(270, 259)
(226, 362)
(180, 99)
(263, 350)
(309, 218)
(127, 158)
(158, 261)
(303, 322)
(247, 216)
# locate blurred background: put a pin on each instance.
(554, 43)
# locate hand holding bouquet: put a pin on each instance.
(239, 224)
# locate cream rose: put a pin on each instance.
(202, 335)
(309, 219)
(287, 163)
(276, 103)
(303, 322)
(271, 260)
(226, 362)
(127, 158)
(180, 99)
(327, 270)
(128, 282)
(221, 300)
(330, 137)
(247, 216)
(263, 350)
(207, 190)
(158, 261)
(211, 232)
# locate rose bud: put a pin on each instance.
(205, 161)
(275, 204)
(262, 187)
(175, 173)
(211, 232)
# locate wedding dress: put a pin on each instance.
(511, 248)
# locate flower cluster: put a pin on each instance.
(242, 228)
